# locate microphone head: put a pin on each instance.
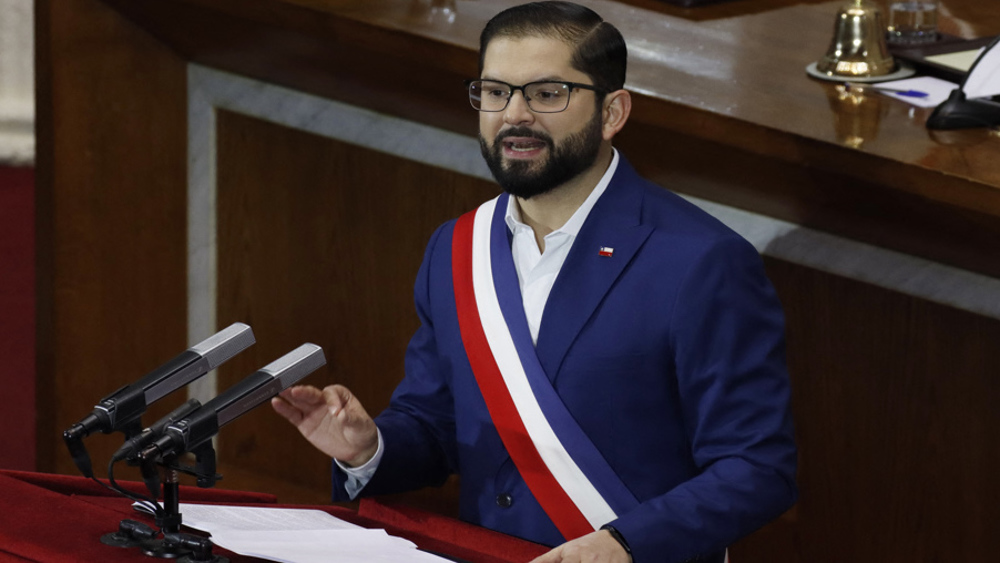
(295, 365)
(225, 344)
(204, 423)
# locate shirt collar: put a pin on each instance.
(575, 223)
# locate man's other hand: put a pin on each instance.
(333, 420)
(595, 547)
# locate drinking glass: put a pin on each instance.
(912, 22)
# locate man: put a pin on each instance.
(601, 361)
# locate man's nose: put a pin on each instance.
(517, 110)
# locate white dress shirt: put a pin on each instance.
(537, 270)
(536, 273)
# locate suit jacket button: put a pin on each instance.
(504, 500)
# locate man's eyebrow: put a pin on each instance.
(550, 78)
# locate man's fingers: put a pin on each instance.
(302, 395)
(337, 397)
(287, 410)
(300, 402)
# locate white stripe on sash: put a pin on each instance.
(579, 489)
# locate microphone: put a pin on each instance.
(203, 424)
(137, 443)
(122, 408)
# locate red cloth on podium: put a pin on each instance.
(464, 541)
(80, 486)
(61, 518)
(54, 517)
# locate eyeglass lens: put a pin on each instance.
(542, 97)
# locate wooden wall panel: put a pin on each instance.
(895, 410)
(111, 213)
(320, 241)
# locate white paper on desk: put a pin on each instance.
(325, 546)
(212, 518)
(937, 90)
(298, 535)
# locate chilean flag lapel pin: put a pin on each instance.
(606, 251)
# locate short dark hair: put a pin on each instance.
(599, 48)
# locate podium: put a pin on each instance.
(58, 518)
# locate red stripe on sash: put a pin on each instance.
(543, 485)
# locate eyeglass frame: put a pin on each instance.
(527, 101)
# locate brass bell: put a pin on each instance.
(858, 48)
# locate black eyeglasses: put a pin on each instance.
(542, 97)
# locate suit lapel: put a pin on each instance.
(587, 276)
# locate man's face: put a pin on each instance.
(531, 153)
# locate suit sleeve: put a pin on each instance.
(418, 427)
(727, 338)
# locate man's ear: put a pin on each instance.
(616, 108)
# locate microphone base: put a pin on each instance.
(118, 539)
(214, 559)
(163, 550)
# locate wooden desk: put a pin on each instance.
(723, 109)
(894, 393)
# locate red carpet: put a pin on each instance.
(17, 318)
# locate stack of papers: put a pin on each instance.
(298, 536)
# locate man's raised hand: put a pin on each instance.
(333, 420)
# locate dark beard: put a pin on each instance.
(565, 162)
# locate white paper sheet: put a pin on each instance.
(324, 546)
(984, 78)
(937, 90)
(212, 518)
(299, 536)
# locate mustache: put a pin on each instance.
(523, 132)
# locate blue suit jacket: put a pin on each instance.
(670, 355)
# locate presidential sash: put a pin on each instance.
(565, 472)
